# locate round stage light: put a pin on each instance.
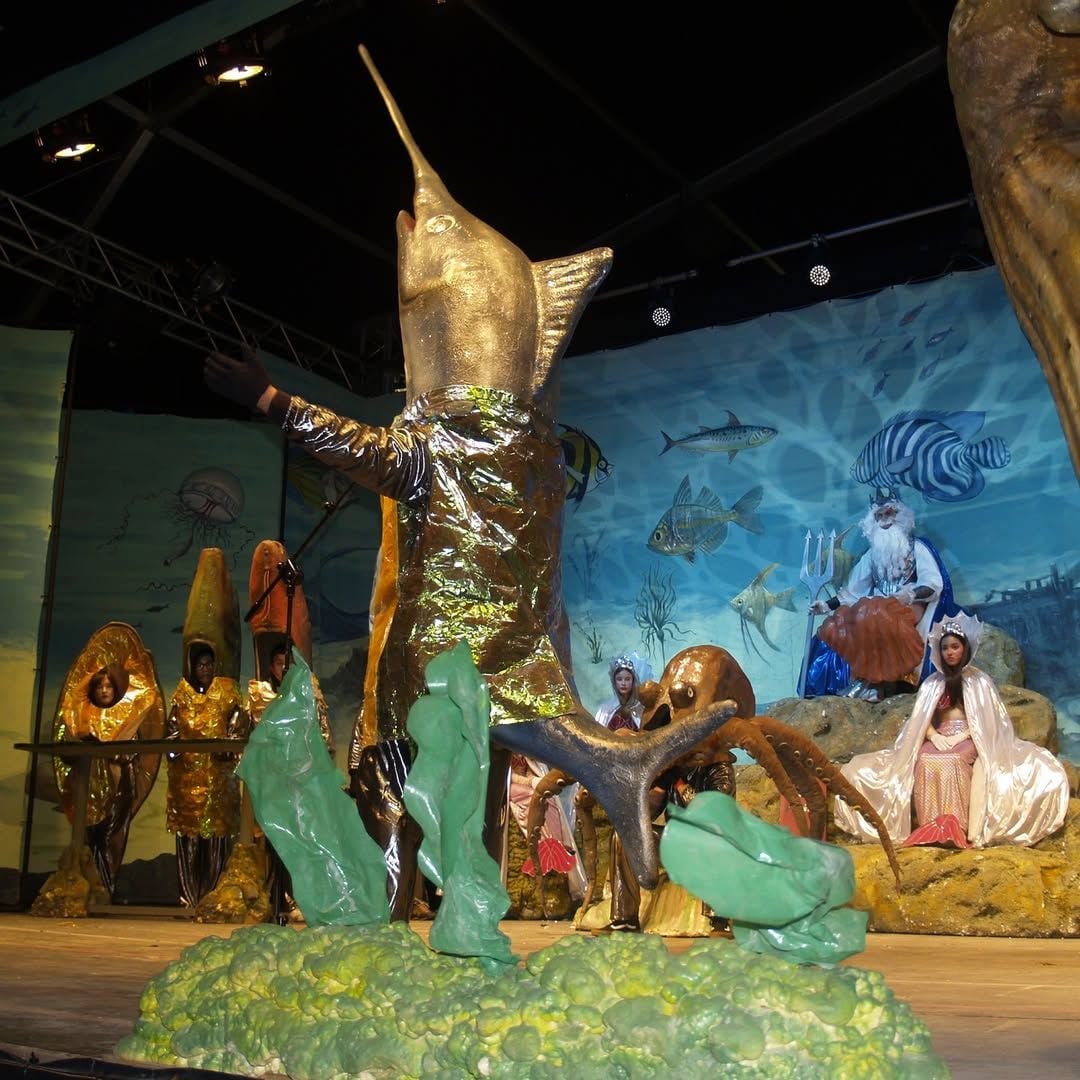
(819, 274)
(661, 315)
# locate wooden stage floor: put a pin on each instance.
(997, 1007)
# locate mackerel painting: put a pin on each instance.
(730, 439)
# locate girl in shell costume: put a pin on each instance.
(958, 763)
(203, 800)
(111, 694)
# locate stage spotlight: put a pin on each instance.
(208, 281)
(66, 140)
(819, 272)
(233, 61)
(660, 311)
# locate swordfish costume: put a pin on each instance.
(472, 479)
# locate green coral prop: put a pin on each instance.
(784, 894)
(445, 792)
(375, 1002)
(338, 872)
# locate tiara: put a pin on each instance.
(621, 662)
(954, 629)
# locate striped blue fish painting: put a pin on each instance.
(932, 452)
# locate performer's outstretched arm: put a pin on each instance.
(390, 461)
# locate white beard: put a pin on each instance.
(890, 548)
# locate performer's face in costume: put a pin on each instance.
(953, 651)
(885, 515)
(102, 692)
(624, 683)
(277, 667)
(205, 667)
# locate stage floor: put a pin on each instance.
(997, 1007)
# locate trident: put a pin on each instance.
(814, 577)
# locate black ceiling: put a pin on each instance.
(682, 134)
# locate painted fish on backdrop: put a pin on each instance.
(730, 439)
(697, 524)
(932, 452)
(753, 605)
(586, 466)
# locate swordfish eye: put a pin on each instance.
(440, 223)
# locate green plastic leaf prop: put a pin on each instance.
(338, 872)
(445, 793)
(782, 893)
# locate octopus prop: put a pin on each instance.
(877, 636)
(472, 480)
(1014, 69)
(706, 680)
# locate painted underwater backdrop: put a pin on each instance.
(931, 388)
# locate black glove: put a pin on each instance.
(241, 379)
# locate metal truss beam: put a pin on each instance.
(46, 248)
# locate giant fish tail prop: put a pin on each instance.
(616, 770)
(1014, 71)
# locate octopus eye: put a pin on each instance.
(682, 696)
(440, 223)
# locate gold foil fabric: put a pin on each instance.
(204, 796)
(140, 713)
(213, 615)
(478, 486)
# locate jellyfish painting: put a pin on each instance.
(202, 511)
(205, 504)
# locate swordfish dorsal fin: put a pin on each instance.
(564, 286)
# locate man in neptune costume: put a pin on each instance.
(473, 488)
(897, 564)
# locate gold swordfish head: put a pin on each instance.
(474, 309)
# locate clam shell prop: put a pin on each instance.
(877, 636)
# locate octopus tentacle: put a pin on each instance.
(746, 735)
(829, 773)
(583, 804)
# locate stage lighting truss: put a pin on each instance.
(62, 255)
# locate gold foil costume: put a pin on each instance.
(478, 489)
(204, 794)
(473, 487)
(117, 787)
(140, 712)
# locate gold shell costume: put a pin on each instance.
(138, 714)
(268, 627)
(204, 796)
